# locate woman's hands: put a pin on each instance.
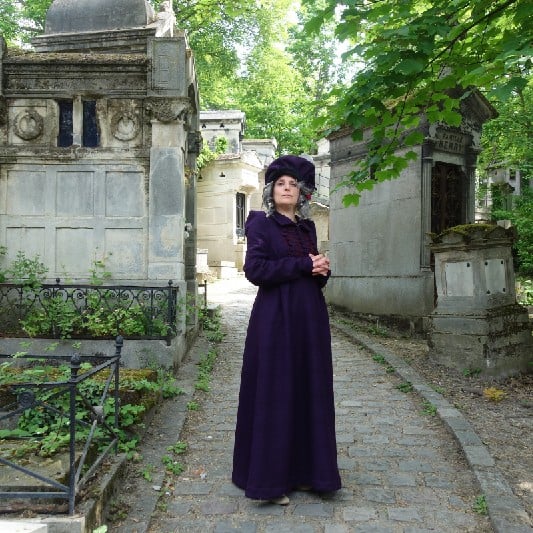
(320, 265)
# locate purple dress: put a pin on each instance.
(285, 434)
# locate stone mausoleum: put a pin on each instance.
(380, 250)
(99, 136)
(99, 131)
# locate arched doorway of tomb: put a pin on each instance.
(449, 186)
(448, 197)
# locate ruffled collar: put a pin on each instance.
(282, 220)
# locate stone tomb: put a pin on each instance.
(477, 324)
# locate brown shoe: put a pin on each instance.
(304, 487)
(282, 500)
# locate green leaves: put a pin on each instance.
(413, 55)
(411, 66)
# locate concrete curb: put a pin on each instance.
(506, 512)
(168, 423)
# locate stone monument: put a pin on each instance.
(99, 136)
(380, 255)
(98, 142)
(477, 324)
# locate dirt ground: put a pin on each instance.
(501, 412)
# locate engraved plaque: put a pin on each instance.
(459, 279)
(168, 66)
(495, 276)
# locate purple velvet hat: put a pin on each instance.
(291, 165)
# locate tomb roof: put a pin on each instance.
(80, 16)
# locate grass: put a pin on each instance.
(480, 505)
(429, 408)
(406, 387)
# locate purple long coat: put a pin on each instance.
(285, 434)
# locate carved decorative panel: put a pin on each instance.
(28, 124)
(26, 192)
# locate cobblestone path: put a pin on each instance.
(401, 470)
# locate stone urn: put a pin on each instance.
(477, 324)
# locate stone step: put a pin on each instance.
(18, 526)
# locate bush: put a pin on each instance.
(522, 218)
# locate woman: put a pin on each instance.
(285, 434)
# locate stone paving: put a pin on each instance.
(401, 470)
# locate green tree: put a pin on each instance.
(420, 57)
(20, 21)
(316, 55)
(218, 32)
(269, 89)
(521, 217)
(273, 98)
(508, 143)
(507, 140)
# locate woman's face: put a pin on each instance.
(286, 192)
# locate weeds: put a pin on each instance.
(148, 472)
(480, 505)
(406, 387)
(178, 448)
(46, 431)
(61, 313)
(382, 361)
(118, 510)
(171, 465)
(429, 408)
(205, 366)
(494, 394)
(377, 330)
(471, 372)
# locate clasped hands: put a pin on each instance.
(320, 264)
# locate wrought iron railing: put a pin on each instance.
(89, 311)
(100, 437)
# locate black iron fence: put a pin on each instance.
(90, 427)
(89, 311)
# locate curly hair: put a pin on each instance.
(302, 206)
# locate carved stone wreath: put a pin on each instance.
(166, 109)
(125, 125)
(28, 124)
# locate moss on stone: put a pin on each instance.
(469, 231)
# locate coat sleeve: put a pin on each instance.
(321, 281)
(261, 266)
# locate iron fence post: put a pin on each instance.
(170, 312)
(54, 292)
(75, 363)
(119, 343)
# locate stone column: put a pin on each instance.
(193, 149)
(3, 103)
(425, 217)
(77, 120)
(168, 106)
(3, 52)
(470, 166)
(166, 227)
